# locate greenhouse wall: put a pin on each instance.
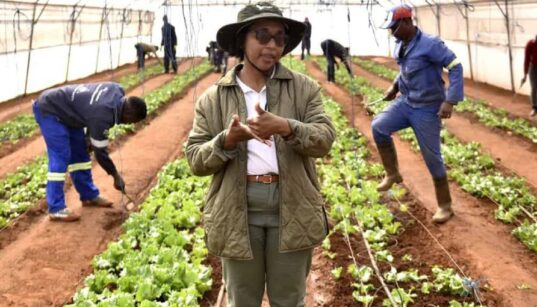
(203, 22)
(486, 36)
(100, 39)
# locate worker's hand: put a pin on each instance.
(266, 124)
(523, 80)
(239, 132)
(89, 147)
(119, 184)
(445, 110)
(390, 94)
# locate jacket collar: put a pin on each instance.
(282, 73)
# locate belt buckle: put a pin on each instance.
(259, 178)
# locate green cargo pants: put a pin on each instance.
(283, 274)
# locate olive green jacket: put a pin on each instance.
(303, 221)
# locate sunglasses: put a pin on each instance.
(263, 36)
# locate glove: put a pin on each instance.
(119, 184)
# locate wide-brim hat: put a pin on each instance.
(227, 35)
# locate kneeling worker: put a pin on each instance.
(62, 114)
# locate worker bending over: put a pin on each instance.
(62, 114)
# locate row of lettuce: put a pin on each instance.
(20, 190)
(475, 172)
(158, 260)
(24, 126)
(349, 184)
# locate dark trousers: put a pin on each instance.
(330, 69)
(306, 45)
(533, 83)
(141, 56)
(169, 56)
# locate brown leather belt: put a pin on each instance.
(263, 178)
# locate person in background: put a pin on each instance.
(331, 50)
(217, 56)
(62, 114)
(210, 50)
(422, 105)
(142, 50)
(306, 40)
(530, 67)
(169, 43)
(258, 132)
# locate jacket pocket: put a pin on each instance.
(413, 66)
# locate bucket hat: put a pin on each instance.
(227, 35)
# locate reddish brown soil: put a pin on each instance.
(48, 261)
(518, 105)
(472, 236)
(511, 152)
(23, 104)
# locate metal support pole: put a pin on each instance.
(121, 37)
(438, 19)
(99, 42)
(30, 48)
(72, 30)
(508, 27)
(466, 18)
(152, 25)
(74, 17)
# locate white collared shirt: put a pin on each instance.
(262, 159)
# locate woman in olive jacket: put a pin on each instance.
(257, 131)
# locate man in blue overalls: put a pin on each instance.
(422, 104)
(169, 43)
(62, 114)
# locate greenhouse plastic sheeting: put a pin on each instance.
(486, 36)
(100, 39)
